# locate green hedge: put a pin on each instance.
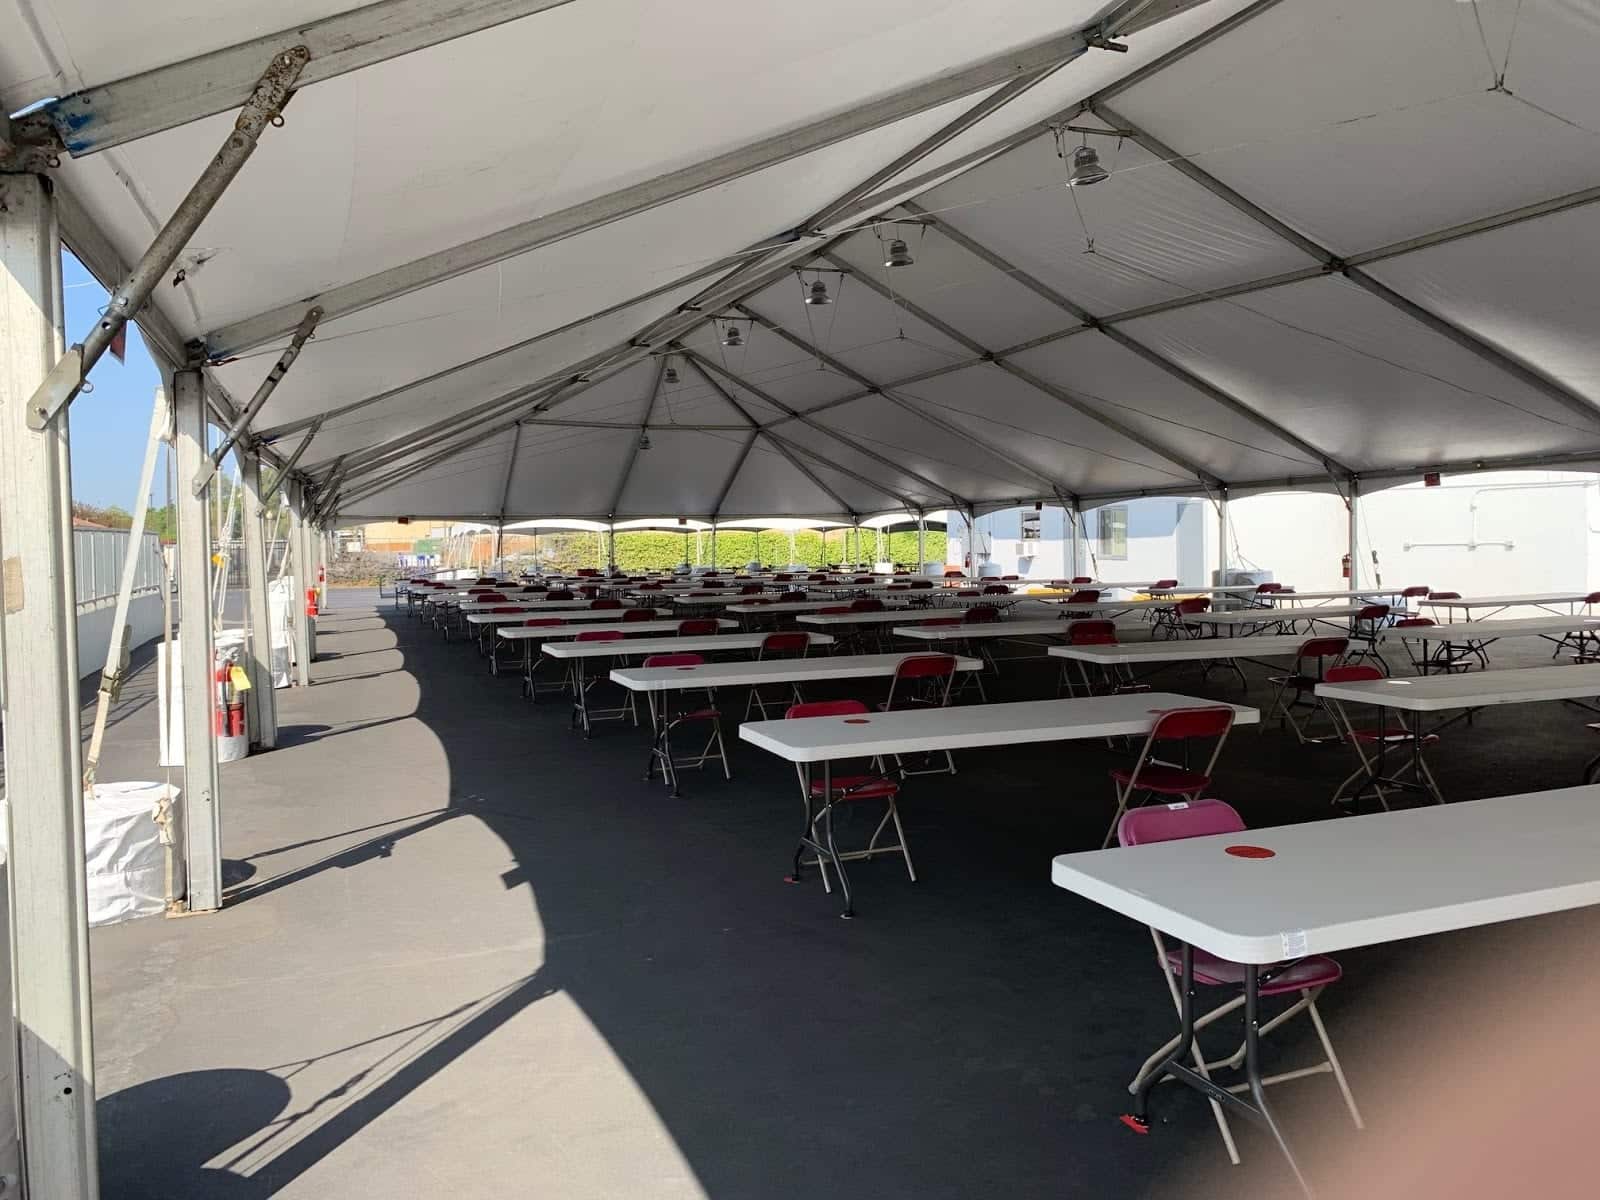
(642, 551)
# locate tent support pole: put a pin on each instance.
(263, 706)
(1353, 504)
(1074, 553)
(202, 830)
(39, 691)
(301, 629)
(1223, 529)
(922, 538)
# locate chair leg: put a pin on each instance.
(1333, 1062)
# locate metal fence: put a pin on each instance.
(233, 555)
(98, 556)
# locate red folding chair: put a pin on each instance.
(1077, 579)
(664, 721)
(754, 589)
(996, 589)
(1373, 743)
(1369, 623)
(1152, 776)
(604, 604)
(560, 594)
(1094, 632)
(1301, 682)
(1421, 660)
(698, 627)
(1171, 621)
(822, 796)
(922, 681)
(1303, 978)
(631, 615)
(787, 644)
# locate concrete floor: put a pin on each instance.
(467, 953)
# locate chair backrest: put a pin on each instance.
(1413, 623)
(988, 578)
(792, 598)
(918, 584)
(866, 604)
(1373, 612)
(1172, 822)
(678, 658)
(784, 643)
(543, 622)
(997, 589)
(1084, 596)
(490, 597)
(897, 587)
(1163, 585)
(639, 614)
(826, 708)
(968, 592)
(609, 602)
(490, 579)
(559, 594)
(1180, 724)
(1008, 578)
(751, 589)
(1194, 604)
(599, 635)
(1444, 595)
(710, 574)
(698, 626)
(1421, 589)
(652, 587)
(981, 614)
(1091, 633)
(834, 610)
(782, 577)
(1323, 647)
(1266, 589)
(928, 666)
(1592, 598)
(817, 577)
(1077, 579)
(1358, 673)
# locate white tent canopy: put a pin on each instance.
(1341, 239)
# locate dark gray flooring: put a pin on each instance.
(467, 953)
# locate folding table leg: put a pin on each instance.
(1252, 1066)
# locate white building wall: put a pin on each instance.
(1298, 538)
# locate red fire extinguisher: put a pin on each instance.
(311, 594)
(1344, 566)
(219, 708)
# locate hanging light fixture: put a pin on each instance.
(818, 293)
(898, 255)
(1086, 168)
(644, 439)
(671, 375)
(732, 336)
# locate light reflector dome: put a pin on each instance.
(1086, 168)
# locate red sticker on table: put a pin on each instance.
(1250, 852)
(855, 720)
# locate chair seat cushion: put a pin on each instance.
(858, 787)
(1317, 971)
(1158, 778)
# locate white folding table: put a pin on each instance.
(1463, 694)
(1235, 621)
(1125, 656)
(531, 637)
(483, 620)
(809, 741)
(1456, 641)
(1467, 605)
(1271, 895)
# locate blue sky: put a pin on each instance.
(111, 423)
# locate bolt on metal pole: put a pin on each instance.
(38, 629)
(66, 378)
(202, 828)
(263, 705)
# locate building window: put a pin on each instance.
(1113, 527)
(1030, 526)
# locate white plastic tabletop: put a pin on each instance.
(775, 670)
(1360, 881)
(666, 645)
(489, 617)
(1183, 650)
(788, 606)
(818, 739)
(828, 620)
(1509, 601)
(1472, 689)
(1298, 597)
(985, 629)
(1481, 631)
(476, 607)
(1257, 616)
(519, 633)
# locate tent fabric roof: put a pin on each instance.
(1341, 238)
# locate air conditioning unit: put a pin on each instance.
(1241, 578)
(1021, 549)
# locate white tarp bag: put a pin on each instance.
(123, 846)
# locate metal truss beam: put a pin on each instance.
(100, 117)
(633, 451)
(733, 473)
(663, 189)
(1495, 357)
